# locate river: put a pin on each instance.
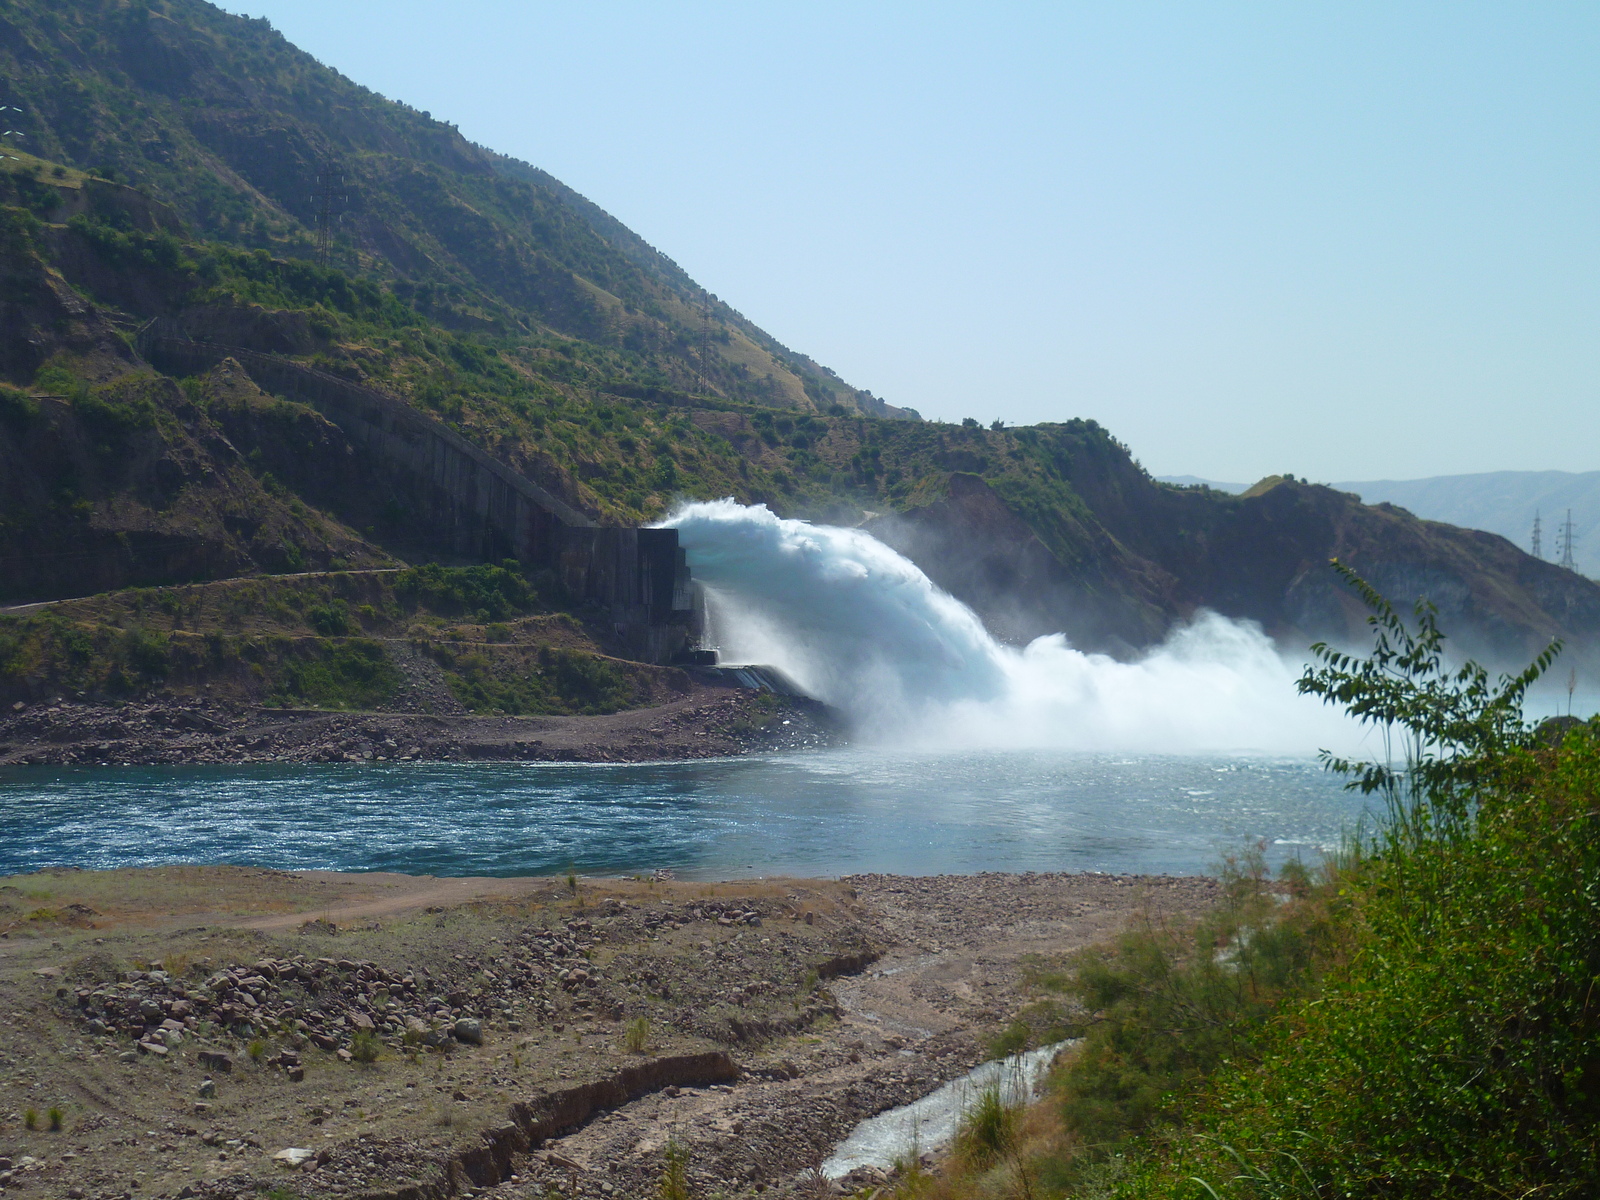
(816, 814)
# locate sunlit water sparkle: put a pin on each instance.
(817, 814)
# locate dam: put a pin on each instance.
(465, 503)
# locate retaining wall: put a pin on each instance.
(469, 504)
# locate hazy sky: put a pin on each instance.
(1348, 240)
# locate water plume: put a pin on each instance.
(863, 629)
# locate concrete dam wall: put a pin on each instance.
(468, 504)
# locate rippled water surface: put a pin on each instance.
(827, 813)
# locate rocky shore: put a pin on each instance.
(710, 722)
(533, 1036)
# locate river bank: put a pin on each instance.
(529, 1033)
(708, 722)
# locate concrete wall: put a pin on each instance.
(471, 505)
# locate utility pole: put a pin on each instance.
(1566, 543)
(1538, 538)
(330, 197)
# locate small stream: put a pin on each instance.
(931, 1122)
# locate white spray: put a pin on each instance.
(863, 629)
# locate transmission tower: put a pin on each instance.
(6, 111)
(1566, 543)
(1538, 537)
(330, 198)
(705, 342)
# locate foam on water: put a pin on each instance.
(931, 1122)
(862, 628)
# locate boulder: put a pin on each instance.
(293, 1157)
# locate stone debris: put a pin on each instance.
(177, 729)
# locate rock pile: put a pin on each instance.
(182, 730)
(329, 1003)
(326, 1002)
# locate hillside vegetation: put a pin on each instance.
(170, 189)
(1417, 1017)
(342, 640)
(239, 131)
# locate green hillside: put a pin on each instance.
(221, 118)
(170, 185)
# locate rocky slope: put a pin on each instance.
(708, 722)
(1156, 553)
(226, 1031)
(519, 315)
(241, 132)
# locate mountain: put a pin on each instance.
(1196, 481)
(1504, 502)
(248, 138)
(486, 359)
(1139, 554)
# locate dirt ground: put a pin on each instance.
(711, 721)
(196, 1030)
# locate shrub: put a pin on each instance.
(988, 1129)
(1168, 1005)
(366, 1046)
(330, 620)
(146, 653)
(492, 592)
(352, 674)
(1451, 1044)
(636, 1035)
(674, 1181)
(18, 410)
(1013, 1039)
(30, 1118)
(56, 1118)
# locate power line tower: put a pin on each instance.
(6, 117)
(1566, 543)
(330, 198)
(1538, 537)
(705, 342)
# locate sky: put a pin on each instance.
(1342, 240)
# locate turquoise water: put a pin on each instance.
(826, 813)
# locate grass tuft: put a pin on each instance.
(636, 1035)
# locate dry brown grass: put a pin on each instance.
(154, 895)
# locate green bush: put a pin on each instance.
(636, 1035)
(484, 592)
(1451, 1047)
(146, 653)
(988, 1129)
(365, 1046)
(355, 673)
(558, 681)
(330, 620)
(59, 381)
(1168, 1005)
(1013, 1039)
(18, 410)
(674, 1181)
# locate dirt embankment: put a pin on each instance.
(521, 1037)
(710, 722)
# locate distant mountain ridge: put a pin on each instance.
(1503, 502)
